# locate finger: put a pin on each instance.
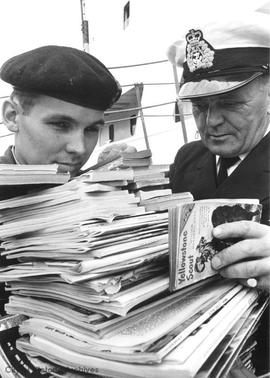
(248, 269)
(262, 283)
(245, 249)
(130, 149)
(107, 155)
(244, 229)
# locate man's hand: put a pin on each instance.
(114, 151)
(249, 258)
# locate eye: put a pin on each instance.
(199, 106)
(92, 129)
(60, 125)
(229, 104)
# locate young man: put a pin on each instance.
(57, 106)
(55, 110)
(226, 80)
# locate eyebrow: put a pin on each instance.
(66, 118)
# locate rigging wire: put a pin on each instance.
(138, 108)
(146, 84)
(6, 135)
(138, 116)
(138, 64)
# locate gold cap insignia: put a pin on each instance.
(199, 53)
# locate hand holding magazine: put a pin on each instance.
(191, 243)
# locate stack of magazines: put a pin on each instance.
(91, 283)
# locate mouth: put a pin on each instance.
(219, 136)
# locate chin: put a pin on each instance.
(225, 152)
(222, 149)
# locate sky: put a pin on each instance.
(27, 24)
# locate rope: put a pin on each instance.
(6, 135)
(139, 64)
(138, 116)
(145, 84)
(139, 108)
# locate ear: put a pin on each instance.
(9, 114)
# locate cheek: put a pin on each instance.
(91, 141)
(29, 135)
(200, 123)
(42, 140)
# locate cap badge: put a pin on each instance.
(199, 53)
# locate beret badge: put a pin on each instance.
(199, 53)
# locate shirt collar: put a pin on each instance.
(14, 155)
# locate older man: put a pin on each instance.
(226, 80)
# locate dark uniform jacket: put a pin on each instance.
(7, 158)
(15, 190)
(194, 170)
(10, 191)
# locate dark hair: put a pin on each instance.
(26, 99)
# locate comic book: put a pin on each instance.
(191, 243)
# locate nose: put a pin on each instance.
(76, 143)
(214, 115)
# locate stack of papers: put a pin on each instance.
(166, 202)
(129, 159)
(178, 335)
(13, 174)
(66, 236)
(92, 281)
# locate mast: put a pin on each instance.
(85, 31)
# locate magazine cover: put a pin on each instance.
(191, 244)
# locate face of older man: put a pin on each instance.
(54, 131)
(232, 124)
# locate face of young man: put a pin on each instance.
(58, 132)
(232, 124)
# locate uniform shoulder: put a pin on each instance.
(7, 158)
(191, 149)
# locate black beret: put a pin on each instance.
(64, 73)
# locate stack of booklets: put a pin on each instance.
(91, 228)
(22, 179)
(150, 178)
(135, 159)
(13, 174)
(92, 280)
(150, 185)
(197, 330)
(162, 199)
